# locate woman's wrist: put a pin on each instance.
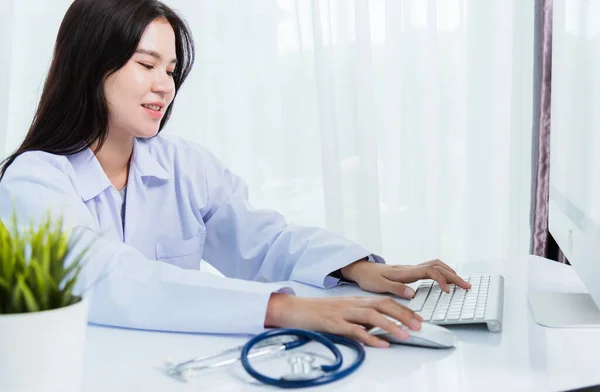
(276, 307)
(347, 271)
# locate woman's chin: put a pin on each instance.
(146, 134)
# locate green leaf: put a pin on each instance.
(4, 285)
(69, 285)
(30, 301)
(60, 243)
(16, 300)
(40, 285)
(8, 256)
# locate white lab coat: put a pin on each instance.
(182, 205)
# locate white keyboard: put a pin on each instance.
(482, 303)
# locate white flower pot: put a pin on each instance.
(43, 351)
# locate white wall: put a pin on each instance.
(6, 32)
(34, 27)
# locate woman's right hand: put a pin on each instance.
(348, 316)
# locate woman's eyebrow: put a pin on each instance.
(154, 54)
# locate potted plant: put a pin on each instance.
(42, 320)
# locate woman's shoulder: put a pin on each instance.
(33, 177)
(36, 162)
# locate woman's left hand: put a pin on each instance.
(383, 278)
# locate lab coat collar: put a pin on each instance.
(145, 163)
(92, 179)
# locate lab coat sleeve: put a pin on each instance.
(258, 244)
(125, 288)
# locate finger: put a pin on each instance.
(418, 272)
(454, 279)
(400, 289)
(398, 312)
(359, 333)
(440, 263)
(394, 312)
(435, 274)
(373, 318)
(386, 305)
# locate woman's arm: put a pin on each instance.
(260, 245)
(128, 290)
(125, 288)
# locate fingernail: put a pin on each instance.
(383, 344)
(415, 324)
(409, 293)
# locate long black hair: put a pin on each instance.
(95, 39)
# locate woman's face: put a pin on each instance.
(139, 93)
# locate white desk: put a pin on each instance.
(524, 357)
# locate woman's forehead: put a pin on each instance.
(159, 38)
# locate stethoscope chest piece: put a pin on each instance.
(302, 368)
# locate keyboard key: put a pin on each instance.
(432, 299)
(417, 302)
(467, 316)
(426, 315)
(442, 309)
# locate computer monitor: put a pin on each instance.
(574, 206)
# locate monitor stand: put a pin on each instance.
(564, 310)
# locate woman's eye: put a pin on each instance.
(146, 66)
(171, 73)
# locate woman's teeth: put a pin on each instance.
(152, 107)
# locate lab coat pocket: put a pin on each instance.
(186, 254)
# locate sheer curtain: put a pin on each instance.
(405, 125)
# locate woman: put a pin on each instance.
(93, 155)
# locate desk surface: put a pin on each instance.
(524, 357)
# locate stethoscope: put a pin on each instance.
(303, 374)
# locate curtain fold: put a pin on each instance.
(542, 242)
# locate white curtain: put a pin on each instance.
(405, 125)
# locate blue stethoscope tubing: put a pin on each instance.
(332, 372)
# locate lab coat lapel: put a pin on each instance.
(135, 200)
(143, 169)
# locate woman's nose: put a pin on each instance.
(163, 84)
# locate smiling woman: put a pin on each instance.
(110, 51)
(137, 96)
(148, 80)
(95, 147)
